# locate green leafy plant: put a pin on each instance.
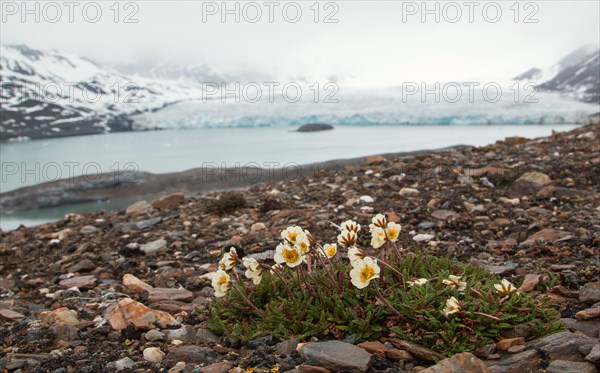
(437, 302)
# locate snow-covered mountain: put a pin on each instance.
(577, 75)
(52, 94)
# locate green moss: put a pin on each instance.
(319, 309)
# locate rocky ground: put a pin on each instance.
(126, 290)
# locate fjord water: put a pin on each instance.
(178, 150)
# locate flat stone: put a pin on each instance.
(399, 355)
(423, 237)
(205, 336)
(520, 330)
(337, 356)
(144, 224)
(191, 354)
(10, 314)
(134, 284)
(526, 361)
(306, 368)
(154, 335)
(562, 366)
(82, 282)
(222, 367)
(416, 350)
(562, 346)
(505, 344)
(425, 225)
(496, 269)
(536, 178)
(407, 192)
(594, 355)
(88, 229)
(590, 328)
(171, 200)
(590, 292)
(460, 363)
(83, 265)
(287, 347)
(588, 314)
(530, 282)
(546, 235)
(158, 294)
(140, 207)
(374, 347)
(165, 320)
(154, 246)
(444, 214)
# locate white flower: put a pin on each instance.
(329, 250)
(347, 238)
(455, 283)
(303, 243)
(290, 255)
(354, 253)
(505, 287)
(277, 267)
(291, 233)
(363, 271)
(221, 282)
(392, 231)
(419, 281)
(378, 220)
(378, 237)
(253, 270)
(350, 225)
(452, 306)
(229, 260)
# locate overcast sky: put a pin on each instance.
(373, 42)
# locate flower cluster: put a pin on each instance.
(383, 231)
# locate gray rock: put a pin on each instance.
(337, 356)
(314, 127)
(286, 347)
(562, 366)
(526, 361)
(154, 246)
(155, 335)
(143, 224)
(206, 336)
(590, 292)
(594, 355)
(562, 346)
(124, 363)
(590, 328)
(426, 225)
(191, 354)
(416, 350)
(88, 229)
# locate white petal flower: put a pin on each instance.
(378, 237)
(378, 220)
(363, 271)
(290, 255)
(452, 306)
(505, 287)
(290, 233)
(221, 282)
(354, 253)
(350, 225)
(303, 243)
(392, 231)
(347, 238)
(253, 270)
(229, 260)
(329, 250)
(455, 283)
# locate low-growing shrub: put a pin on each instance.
(229, 202)
(437, 302)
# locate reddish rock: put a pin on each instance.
(305, 368)
(530, 282)
(129, 312)
(82, 282)
(374, 347)
(169, 201)
(138, 208)
(459, 363)
(588, 314)
(505, 344)
(399, 355)
(374, 160)
(222, 367)
(164, 319)
(133, 284)
(547, 235)
(590, 292)
(158, 294)
(10, 314)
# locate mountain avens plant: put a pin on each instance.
(314, 290)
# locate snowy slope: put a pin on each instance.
(50, 94)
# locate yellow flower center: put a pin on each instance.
(303, 247)
(392, 234)
(290, 256)
(330, 251)
(222, 280)
(292, 236)
(366, 273)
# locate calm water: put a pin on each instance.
(33, 162)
